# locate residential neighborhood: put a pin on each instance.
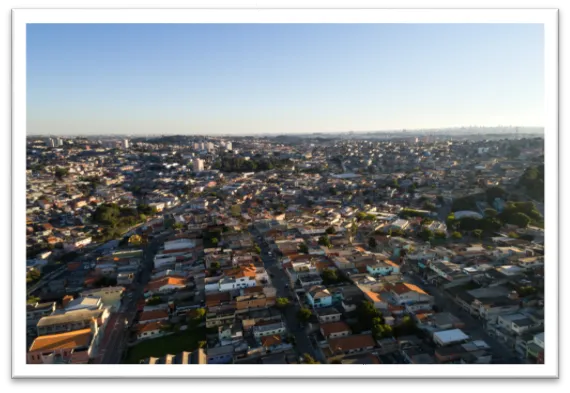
(352, 249)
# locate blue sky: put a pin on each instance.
(286, 78)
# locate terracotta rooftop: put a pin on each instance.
(67, 340)
(407, 287)
(334, 327)
(268, 341)
(353, 342)
(153, 314)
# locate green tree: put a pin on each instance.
(199, 314)
(154, 300)
(456, 235)
(282, 302)
(440, 235)
(330, 276)
(304, 314)
(495, 192)
(426, 234)
(520, 219)
(178, 225)
(257, 249)
(214, 241)
(477, 233)
(331, 230)
(490, 212)
(372, 243)
(303, 248)
(325, 241)
(366, 313)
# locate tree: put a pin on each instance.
(331, 230)
(372, 243)
(308, 359)
(382, 331)
(477, 233)
(440, 235)
(257, 249)
(214, 241)
(520, 219)
(303, 248)
(154, 300)
(178, 225)
(281, 302)
(426, 234)
(60, 173)
(202, 344)
(490, 212)
(304, 314)
(456, 235)
(495, 192)
(215, 265)
(330, 276)
(199, 314)
(366, 313)
(513, 235)
(429, 206)
(325, 241)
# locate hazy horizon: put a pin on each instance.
(245, 79)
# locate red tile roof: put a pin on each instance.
(334, 327)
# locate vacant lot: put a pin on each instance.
(182, 341)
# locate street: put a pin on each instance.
(116, 333)
(279, 280)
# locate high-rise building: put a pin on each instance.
(125, 143)
(198, 165)
(228, 146)
(202, 146)
(210, 146)
(196, 146)
(50, 142)
(60, 141)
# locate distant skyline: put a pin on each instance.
(85, 79)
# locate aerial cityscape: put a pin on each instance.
(159, 230)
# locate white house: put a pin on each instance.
(269, 329)
(405, 293)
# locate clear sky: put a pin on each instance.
(286, 78)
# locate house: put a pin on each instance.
(449, 337)
(230, 333)
(268, 329)
(328, 314)
(153, 316)
(69, 321)
(319, 296)
(195, 357)
(151, 330)
(381, 268)
(335, 329)
(405, 293)
(165, 285)
(110, 296)
(84, 303)
(36, 311)
(220, 355)
(75, 347)
(351, 344)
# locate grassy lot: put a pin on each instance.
(182, 341)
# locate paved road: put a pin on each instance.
(116, 333)
(473, 326)
(279, 280)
